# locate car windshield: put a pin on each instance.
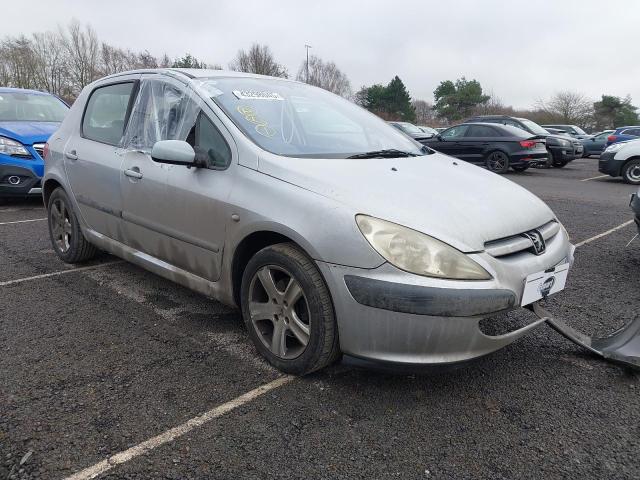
(533, 127)
(579, 131)
(297, 120)
(410, 128)
(30, 107)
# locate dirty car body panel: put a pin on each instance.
(188, 224)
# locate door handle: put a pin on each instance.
(71, 155)
(133, 173)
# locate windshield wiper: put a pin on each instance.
(387, 153)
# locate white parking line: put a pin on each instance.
(603, 234)
(594, 178)
(176, 432)
(60, 272)
(24, 221)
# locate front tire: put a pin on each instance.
(498, 162)
(631, 172)
(64, 230)
(288, 311)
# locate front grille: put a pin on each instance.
(518, 243)
(39, 148)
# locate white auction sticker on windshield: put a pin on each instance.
(256, 95)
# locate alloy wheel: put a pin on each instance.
(61, 228)
(279, 311)
(497, 161)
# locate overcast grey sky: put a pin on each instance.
(519, 50)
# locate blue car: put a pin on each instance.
(623, 133)
(27, 120)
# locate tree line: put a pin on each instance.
(62, 62)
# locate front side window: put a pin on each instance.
(106, 112)
(31, 107)
(162, 111)
(209, 144)
(296, 120)
(455, 132)
(632, 131)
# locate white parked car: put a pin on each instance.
(622, 159)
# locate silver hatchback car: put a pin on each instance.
(332, 231)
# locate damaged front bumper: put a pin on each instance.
(622, 346)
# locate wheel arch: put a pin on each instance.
(47, 189)
(247, 248)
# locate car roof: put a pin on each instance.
(22, 90)
(192, 73)
(628, 126)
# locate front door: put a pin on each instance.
(450, 141)
(173, 212)
(93, 158)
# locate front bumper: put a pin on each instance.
(609, 165)
(562, 154)
(386, 315)
(18, 181)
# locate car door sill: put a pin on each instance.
(157, 266)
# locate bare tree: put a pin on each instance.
(258, 59)
(568, 107)
(83, 49)
(19, 65)
(49, 54)
(325, 75)
(424, 112)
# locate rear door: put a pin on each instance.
(93, 157)
(477, 141)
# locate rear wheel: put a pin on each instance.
(64, 230)
(287, 309)
(498, 162)
(631, 172)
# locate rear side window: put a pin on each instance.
(106, 112)
(482, 131)
(632, 131)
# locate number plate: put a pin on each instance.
(542, 284)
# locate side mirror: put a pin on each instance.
(439, 137)
(173, 152)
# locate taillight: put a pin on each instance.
(45, 151)
(611, 138)
(527, 143)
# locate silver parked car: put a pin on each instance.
(332, 231)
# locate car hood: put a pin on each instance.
(28, 133)
(456, 202)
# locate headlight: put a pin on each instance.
(615, 147)
(565, 143)
(418, 253)
(11, 147)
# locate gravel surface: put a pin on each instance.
(97, 361)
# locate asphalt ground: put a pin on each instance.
(93, 362)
